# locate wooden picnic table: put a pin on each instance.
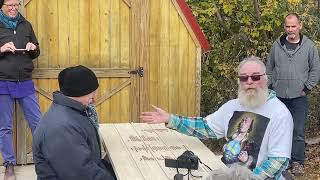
(137, 151)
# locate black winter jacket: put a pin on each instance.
(18, 66)
(66, 144)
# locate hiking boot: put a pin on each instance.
(9, 173)
(297, 169)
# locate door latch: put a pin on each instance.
(138, 71)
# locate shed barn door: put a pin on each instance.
(93, 33)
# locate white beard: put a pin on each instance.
(252, 98)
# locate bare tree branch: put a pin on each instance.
(257, 11)
(220, 19)
(318, 7)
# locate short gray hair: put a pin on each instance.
(254, 59)
(295, 15)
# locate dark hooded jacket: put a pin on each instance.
(18, 66)
(66, 144)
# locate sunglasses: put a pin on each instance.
(253, 77)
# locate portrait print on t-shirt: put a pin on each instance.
(244, 137)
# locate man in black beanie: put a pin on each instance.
(66, 144)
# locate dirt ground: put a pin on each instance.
(312, 161)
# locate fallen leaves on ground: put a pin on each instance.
(312, 163)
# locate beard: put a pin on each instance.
(291, 36)
(252, 98)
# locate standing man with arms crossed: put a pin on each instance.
(18, 47)
(293, 70)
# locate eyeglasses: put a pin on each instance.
(253, 77)
(11, 6)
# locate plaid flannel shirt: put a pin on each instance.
(198, 127)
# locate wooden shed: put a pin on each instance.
(143, 51)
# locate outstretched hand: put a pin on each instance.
(156, 116)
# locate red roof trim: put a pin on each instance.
(194, 25)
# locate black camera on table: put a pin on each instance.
(187, 160)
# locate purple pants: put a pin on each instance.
(29, 105)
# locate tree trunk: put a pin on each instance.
(257, 11)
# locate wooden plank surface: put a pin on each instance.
(183, 68)
(174, 60)
(42, 34)
(177, 146)
(137, 151)
(140, 151)
(84, 32)
(116, 147)
(105, 30)
(124, 35)
(191, 94)
(74, 27)
(164, 73)
(63, 33)
(134, 62)
(95, 33)
(53, 34)
(198, 81)
(154, 65)
(156, 146)
(144, 52)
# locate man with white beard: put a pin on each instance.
(269, 140)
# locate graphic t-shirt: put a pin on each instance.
(253, 135)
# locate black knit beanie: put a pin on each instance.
(77, 81)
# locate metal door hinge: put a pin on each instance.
(138, 71)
